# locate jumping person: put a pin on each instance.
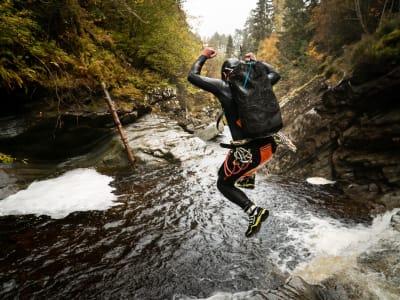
(246, 155)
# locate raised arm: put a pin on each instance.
(208, 84)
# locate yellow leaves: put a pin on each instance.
(10, 78)
(55, 64)
(314, 54)
(268, 50)
(7, 159)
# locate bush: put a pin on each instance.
(377, 54)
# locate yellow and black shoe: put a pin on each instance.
(255, 219)
(248, 182)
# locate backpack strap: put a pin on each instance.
(248, 74)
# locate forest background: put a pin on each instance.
(55, 54)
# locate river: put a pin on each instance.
(165, 232)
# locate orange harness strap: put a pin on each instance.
(266, 154)
(237, 166)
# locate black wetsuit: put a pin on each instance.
(260, 149)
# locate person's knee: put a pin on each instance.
(221, 184)
(224, 185)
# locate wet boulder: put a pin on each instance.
(209, 132)
(157, 140)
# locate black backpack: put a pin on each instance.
(258, 108)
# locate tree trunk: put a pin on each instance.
(383, 12)
(114, 114)
(360, 16)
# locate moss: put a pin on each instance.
(377, 54)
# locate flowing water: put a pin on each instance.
(167, 233)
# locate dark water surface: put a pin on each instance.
(172, 233)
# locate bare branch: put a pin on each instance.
(131, 11)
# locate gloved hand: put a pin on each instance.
(209, 52)
(250, 56)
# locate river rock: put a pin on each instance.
(385, 262)
(157, 140)
(210, 132)
(390, 200)
(294, 288)
(395, 221)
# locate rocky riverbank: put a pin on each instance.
(348, 133)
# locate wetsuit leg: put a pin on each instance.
(227, 187)
(231, 170)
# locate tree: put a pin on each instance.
(258, 26)
(238, 42)
(229, 47)
(218, 42)
(335, 24)
(279, 8)
(296, 34)
(262, 20)
(62, 47)
(370, 13)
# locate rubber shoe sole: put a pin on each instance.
(246, 185)
(261, 217)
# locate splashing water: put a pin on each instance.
(77, 190)
(338, 250)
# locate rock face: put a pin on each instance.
(348, 133)
(49, 136)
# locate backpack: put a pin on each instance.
(258, 108)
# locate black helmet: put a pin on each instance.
(228, 67)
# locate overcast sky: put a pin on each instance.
(222, 16)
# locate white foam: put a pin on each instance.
(331, 237)
(334, 239)
(77, 190)
(319, 180)
(334, 249)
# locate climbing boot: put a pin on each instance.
(247, 182)
(255, 219)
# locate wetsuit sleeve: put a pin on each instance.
(212, 85)
(273, 75)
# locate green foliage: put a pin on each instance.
(67, 47)
(294, 40)
(335, 24)
(15, 33)
(258, 26)
(377, 53)
(63, 49)
(229, 47)
(324, 37)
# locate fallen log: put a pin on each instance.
(117, 122)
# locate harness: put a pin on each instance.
(242, 159)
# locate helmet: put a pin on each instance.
(228, 67)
